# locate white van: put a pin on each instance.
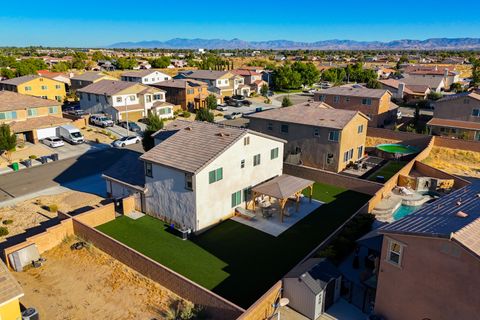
(70, 134)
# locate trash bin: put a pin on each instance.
(28, 163)
(54, 156)
(15, 166)
(43, 159)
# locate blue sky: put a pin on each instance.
(98, 23)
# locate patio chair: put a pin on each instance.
(267, 213)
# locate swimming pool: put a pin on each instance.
(396, 148)
(403, 211)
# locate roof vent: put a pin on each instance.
(462, 214)
(478, 195)
(188, 128)
(222, 134)
(459, 202)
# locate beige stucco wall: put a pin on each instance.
(437, 280)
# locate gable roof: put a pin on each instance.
(460, 124)
(10, 100)
(108, 87)
(206, 74)
(191, 145)
(441, 218)
(462, 95)
(89, 76)
(128, 169)
(245, 72)
(140, 73)
(19, 80)
(316, 113)
(180, 83)
(315, 273)
(432, 83)
(354, 92)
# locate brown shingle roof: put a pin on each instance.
(108, 87)
(354, 92)
(19, 80)
(16, 101)
(317, 114)
(469, 125)
(191, 145)
(9, 287)
(89, 76)
(38, 123)
(283, 186)
(206, 74)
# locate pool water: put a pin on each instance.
(397, 148)
(403, 211)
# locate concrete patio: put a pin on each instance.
(272, 225)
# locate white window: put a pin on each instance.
(360, 152)
(132, 98)
(348, 155)
(119, 99)
(394, 253)
(32, 112)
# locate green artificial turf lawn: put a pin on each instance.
(233, 260)
(388, 170)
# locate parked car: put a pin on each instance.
(238, 97)
(246, 102)
(132, 126)
(53, 142)
(222, 107)
(226, 98)
(234, 115)
(70, 134)
(125, 141)
(77, 112)
(101, 120)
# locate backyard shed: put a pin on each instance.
(312, 287)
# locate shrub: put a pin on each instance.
(97, 140)
(32, 157)
(186, 114)
(89, 129)
(7, 222)
(53, 207)
(3, 231)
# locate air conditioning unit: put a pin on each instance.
(30, 314)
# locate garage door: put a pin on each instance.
(46, 132)
(133, 116)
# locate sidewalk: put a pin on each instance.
(62, 155)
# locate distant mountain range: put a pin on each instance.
(429, 44)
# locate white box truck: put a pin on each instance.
(70, 134)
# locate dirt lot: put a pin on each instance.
(454, 161)
(89, 284)
(31, 213)
(373, 141)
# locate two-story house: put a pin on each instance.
(37, 86)
(198, 173)
(220, 82)
(317, 135)
(436, 78)
(430, 261)
(122, 100)
(375, 103)
(251, 78)
(31, 118)
(189, 94)
(87, 78)
(147, 77)
(457, 116)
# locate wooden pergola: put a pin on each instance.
(282, 188)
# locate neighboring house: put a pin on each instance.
(31, 118)
(457, 116)
(87, 78)
(220, 82)
(436, 78)
(430, 261)
(312, 287)
(251, 78)
(401, 91)
(384, 73)
(122, 100)
(10, 293)
(59, 76)
(317, 135)
(198, 173)
(189, 94)
(145, 76)
(37, 86)
(375, 103)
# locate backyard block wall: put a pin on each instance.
(429, 171)
(97, 216)
(128, 204)
(216, 306)
(468, 145)
(264, 308)
(331, 178)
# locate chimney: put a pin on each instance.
(446, 73)
(401, 89)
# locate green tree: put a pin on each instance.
(286, 102)
(434, 95)
(161, 62)
(98, 55)
(204, 114)
(456, 87)
(125, 63)
(211, 102)
(155, 123)
(61, 67)
(7, 73)
(8, 141)
(264, 90)
(373, 84)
